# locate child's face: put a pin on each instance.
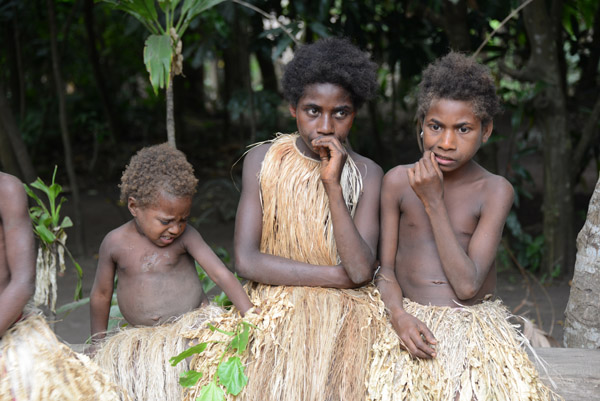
(323, 109)
(163, 222)
(453, 133)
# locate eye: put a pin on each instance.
(312, 111)
(164, 222)
(340, 114)
(434, 127)
(464, 130)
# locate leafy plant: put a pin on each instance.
(53, 238)
(229, 374)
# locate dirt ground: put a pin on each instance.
(544, 304)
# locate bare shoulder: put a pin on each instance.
(397, 176)
(498, 187)
(13, 198)
(369, 170)
(11, 186)
(116, 238)
(256, 155)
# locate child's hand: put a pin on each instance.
(414, 335)
(426, 178)
(333, 157)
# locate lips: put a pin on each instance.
(166, 240)
(442, 160)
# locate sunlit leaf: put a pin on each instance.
(231, 375)
(196, 349)
(211, 392)
(189, 378)
(158, 54)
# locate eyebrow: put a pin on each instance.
(459, 125)
(336, 108)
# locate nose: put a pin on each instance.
(325, 124)
(176, 228)
(447, 140)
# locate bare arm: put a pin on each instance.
(216, 270)
(102, 290)
(466, 271)
(20, 251)
(270, 269)
(357, 238)
(409, 329)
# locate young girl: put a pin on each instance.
(153, 256)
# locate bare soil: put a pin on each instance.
(544, 304)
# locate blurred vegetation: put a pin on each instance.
(229, 96)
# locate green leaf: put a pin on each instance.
(66, 223)
(143, 10)
(211, 392)
(71, 306)
(231, 375)
(240, 341)
(196, 349)
(46, 235)
(214, 328)
(189, 378)
(158, 54)
(191, 8)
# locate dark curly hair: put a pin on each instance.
(154, 169)
(331, 60)
(459, 77)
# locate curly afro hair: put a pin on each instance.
(155, 169)
(331, 60)
(458, 77)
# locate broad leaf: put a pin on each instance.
(231, 375)
(192, 8)
(189, 378)
(214, 328)
(143, 10)
(158, 54)
(45, 234)
(196, 349)
(240, 341)
(66, 223)
(211, 392)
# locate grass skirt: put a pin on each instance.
(310, 344)
(480, 356)
(35, 365)
(138, 358)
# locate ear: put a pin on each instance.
(132, 206)
(487, 131)
(292, 109)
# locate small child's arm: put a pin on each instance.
(19, 246)
(216, 270)
(466, 271)
(414, 334)
(102, 290)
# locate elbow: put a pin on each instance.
(466, 292)
(362, 274)
(243, 266)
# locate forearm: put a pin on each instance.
(390, 290)
(275, 270)
(458, 267)
(356, 256)
(13, 299)
(99, 314)
(235, 292)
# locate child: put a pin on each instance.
(153, 256)
(306, 234)
(30, 354)
(441, 223)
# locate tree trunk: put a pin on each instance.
(64, 129)
(455, 24)
(551, 116)
(170, 115)
(11, 130)
(582, 325)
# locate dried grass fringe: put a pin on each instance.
(481, 356)
(310, 343)
(35, 365)
(296, 217)
(138, 358)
